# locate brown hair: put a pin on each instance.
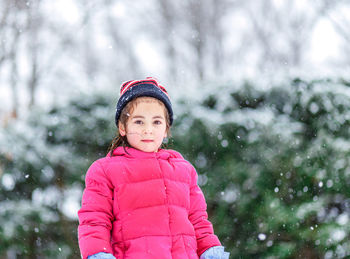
(120, 140)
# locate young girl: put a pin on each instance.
(141, 201)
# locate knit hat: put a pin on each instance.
(137, 88)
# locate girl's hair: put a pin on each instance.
(120, 140)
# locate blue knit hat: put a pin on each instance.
(137, 88)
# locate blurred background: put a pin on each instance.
(261, 94)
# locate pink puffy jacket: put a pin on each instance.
(144, 205)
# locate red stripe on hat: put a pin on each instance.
(127, 85)
(124, 85)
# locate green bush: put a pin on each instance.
(273, 164)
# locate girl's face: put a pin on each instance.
(146, 127)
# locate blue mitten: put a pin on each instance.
(101, 256)
(215, 252)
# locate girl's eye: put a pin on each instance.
(157, 122)
(138, 122)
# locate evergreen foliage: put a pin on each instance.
(274, 166)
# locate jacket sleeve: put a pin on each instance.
(95, 215)
(199, 218)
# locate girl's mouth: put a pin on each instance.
(147, 140)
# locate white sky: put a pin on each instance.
(325, 43)
(325, 47)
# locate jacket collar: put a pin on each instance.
(135, 153)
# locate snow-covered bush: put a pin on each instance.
(273, 163)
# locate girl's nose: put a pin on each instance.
(147, 129)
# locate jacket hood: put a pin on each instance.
(130, 152)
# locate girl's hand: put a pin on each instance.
(215, 252)
(101, 256)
